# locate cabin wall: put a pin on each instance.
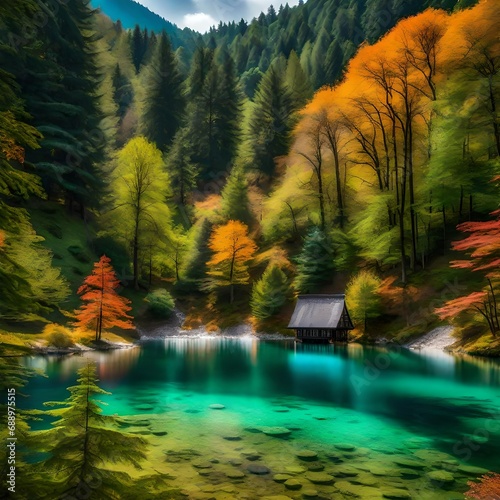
(321, 335)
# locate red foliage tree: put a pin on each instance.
(487, 489)
(103, 307)
(483, 246)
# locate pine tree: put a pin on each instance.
(103, 307)
(83, 444)
(297, 81)
(122, 92)
(269, 293)
(183, 172)
(235, 204)
(195, 269)
(272, 119)
(334, 62)
(164, 101)
(318, 54)
(315, 264)
(137, 42)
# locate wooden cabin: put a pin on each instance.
(321, 319)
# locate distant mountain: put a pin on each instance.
(131, 13)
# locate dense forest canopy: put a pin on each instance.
(208, 166)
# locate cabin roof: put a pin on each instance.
(319, 311)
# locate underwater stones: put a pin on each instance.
(295, 469)
(356, 490)
(276, 431)
(192, 411)
(307, 455)
(432, 455)
(251, 455)
(281, 410)
(276, 497)
(235, 474)
(441, 476)
(409, 473)
(257, 469)
(319, 477)
(364, 480)
(201, 464)
(345, 446)
(281, 478)
(315, 466)
(345, 471)
(230, 436)
(408, 462)
(134, 422)
(335, 456)
(216, 407)
(292, 484)
(395, 493)
(471, 470)
(176, 456)
(310, 493)
(235, 461)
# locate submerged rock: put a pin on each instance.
(471, 470)
(441, 476)
(258, 469)
(236, 474)
(251, 455)
(319, 477)
(355, 490)
(216, 407)
(307, 455)
(408, 462)
(395, 493)
(281, 478)
(293, 484)
(316, 466)
(202, 464)
(295, 469)
(276, 431)
(310, 493)
(345, 446)
(231, 437)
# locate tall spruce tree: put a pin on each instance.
(235, 204)
(315, 264)
(164, 102)
(272, 119)
(269, 293)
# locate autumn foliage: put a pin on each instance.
(103, 307)
(232, 248)
(487, 489)
(483, 246)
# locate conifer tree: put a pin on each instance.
(297, 81)
(269, 293)
(137, 42)
(122, 91)
(235, 204)
(164, 101)
(83, 444)
(315, 264)
(271, 121)
(195, 269)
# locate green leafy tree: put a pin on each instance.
(164, 101)
(315, 264)
(160, 303)
(269, 293)
(363, 299)
(139, 187)
(83, 445)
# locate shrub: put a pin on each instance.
(59, 336)
(160, 303)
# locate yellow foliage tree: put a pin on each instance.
(233, 249)
(363, 298)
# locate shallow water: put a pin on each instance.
(381, 421)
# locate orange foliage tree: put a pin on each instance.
(483, 245)
(233, 249)
(487, 489)
(103, 307)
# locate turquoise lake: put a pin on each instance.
(381, 421)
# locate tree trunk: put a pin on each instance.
(496, 130)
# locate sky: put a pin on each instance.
(199, 15)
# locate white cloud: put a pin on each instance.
(199, 21)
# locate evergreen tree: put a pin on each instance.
(271, 122)
(83, 444)
(122, 92)
(269, 293)
(235, 204)
(137, 42)
(194, 271)
(61, 93)
(164, 102)
(318, 59)
(297, 81)
(334, 63)
(315, 264)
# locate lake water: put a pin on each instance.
(382, 422)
